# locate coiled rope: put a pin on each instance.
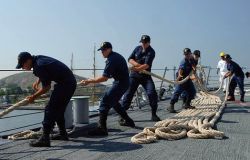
(193, 123)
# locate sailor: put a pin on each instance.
(196, 57)
(238, 78)
(48, 69)
(185, 68)
(222, 69)
(247, 74)
(141, 59)
(116, 68)
(194, 60)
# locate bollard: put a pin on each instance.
(68, 115)
(81, 109)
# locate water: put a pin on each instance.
(30, 121)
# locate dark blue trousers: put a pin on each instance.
(148, 85)
(59, 99)
(186, 88)
(236, 80)
(112, 96)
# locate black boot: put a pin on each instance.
(154, 116)
(231, 98)
(101, 130)
(43, 141)
(124, 119)
(63, 135)
(170, 108)
(242, 97)
(188, 105)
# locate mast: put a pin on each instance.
(94, 75)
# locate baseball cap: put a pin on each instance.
(227, 56)
(187, 51)
(145, 39)
(22, 58)
(222, 54)
(197, 53)
(105, 45)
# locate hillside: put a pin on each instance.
(24, 80)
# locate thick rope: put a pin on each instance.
(25, 135)
(194, 123)
(13, 107)
(166, 80)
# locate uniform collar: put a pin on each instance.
(110, 54)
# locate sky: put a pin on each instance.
(58, 28)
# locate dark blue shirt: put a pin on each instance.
(48, 69)
(194, 62)
(116, 67)
(235, 69)
(141, 57)
(186, 66)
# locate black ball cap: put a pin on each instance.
(145, 39)
(22, 58)
(227, 56)
(197, 53)
(105, 45)
(187, 51)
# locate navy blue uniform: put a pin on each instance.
(187, 87)
(194, 63)
(116, 67)
(49, 69)
(136, 78)
(238, 78)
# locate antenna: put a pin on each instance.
(94, 75)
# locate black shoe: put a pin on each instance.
(41, 142)
(98, 132)
(128, 122)
(242, 99)
(170, 109)
(155, 118)
(63, 137)
(230, 99)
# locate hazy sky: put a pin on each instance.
(59, 28)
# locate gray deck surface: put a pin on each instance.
(235, 122)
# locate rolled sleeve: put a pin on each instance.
(109, 69)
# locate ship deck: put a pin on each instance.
(234, 122)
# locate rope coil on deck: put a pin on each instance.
(193, 123)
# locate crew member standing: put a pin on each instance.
(194, 60)
(238, 78)
(141, 59)
(48, 69)
(185, 68)
(222, 68)
(116, 67)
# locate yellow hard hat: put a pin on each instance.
(222, 54)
